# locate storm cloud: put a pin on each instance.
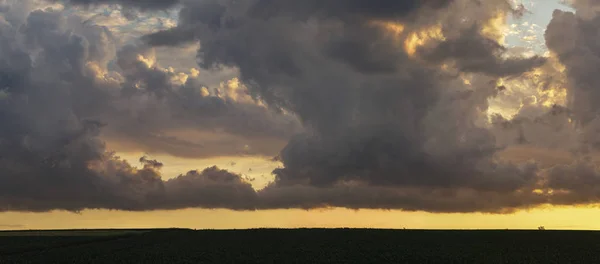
(59, 95)
(367, 104)
(378, 116)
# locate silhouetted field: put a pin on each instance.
(299, 246)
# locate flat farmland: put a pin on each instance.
(298, 246)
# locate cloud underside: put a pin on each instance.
(367, 105)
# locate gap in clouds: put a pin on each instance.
(257, 170)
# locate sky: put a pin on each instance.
(443, 114)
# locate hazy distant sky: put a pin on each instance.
(286, 113)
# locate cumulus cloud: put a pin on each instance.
(473, 52)
(381, 105)
(155, 101)
(60, 93)
(369, 82)
(572, 39)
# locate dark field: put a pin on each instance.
(299, 246)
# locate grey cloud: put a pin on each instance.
(142, 4)
(573, 40)
(151, 103)
(575, 183)
(376, 116)
(444, 200)
(51, 155)
(587, 9)
(16, 12)
(473, 52)
(550, 129)
(380, 129)
(386, 9)
(211, 188)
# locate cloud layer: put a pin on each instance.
(382, 105)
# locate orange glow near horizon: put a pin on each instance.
(241, 151)
(550, 217)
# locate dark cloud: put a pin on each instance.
(576, 183)
(473, 52)
(211, 188)
(377, 116)
(573, 39)
(353, 9)
(152, 105)
(372, 124)
(58, 97)
(546, 128)
(445, 200)
(142, 4)
(381, 55)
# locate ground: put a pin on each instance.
(298, 246)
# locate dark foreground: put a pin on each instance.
(304, 246)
